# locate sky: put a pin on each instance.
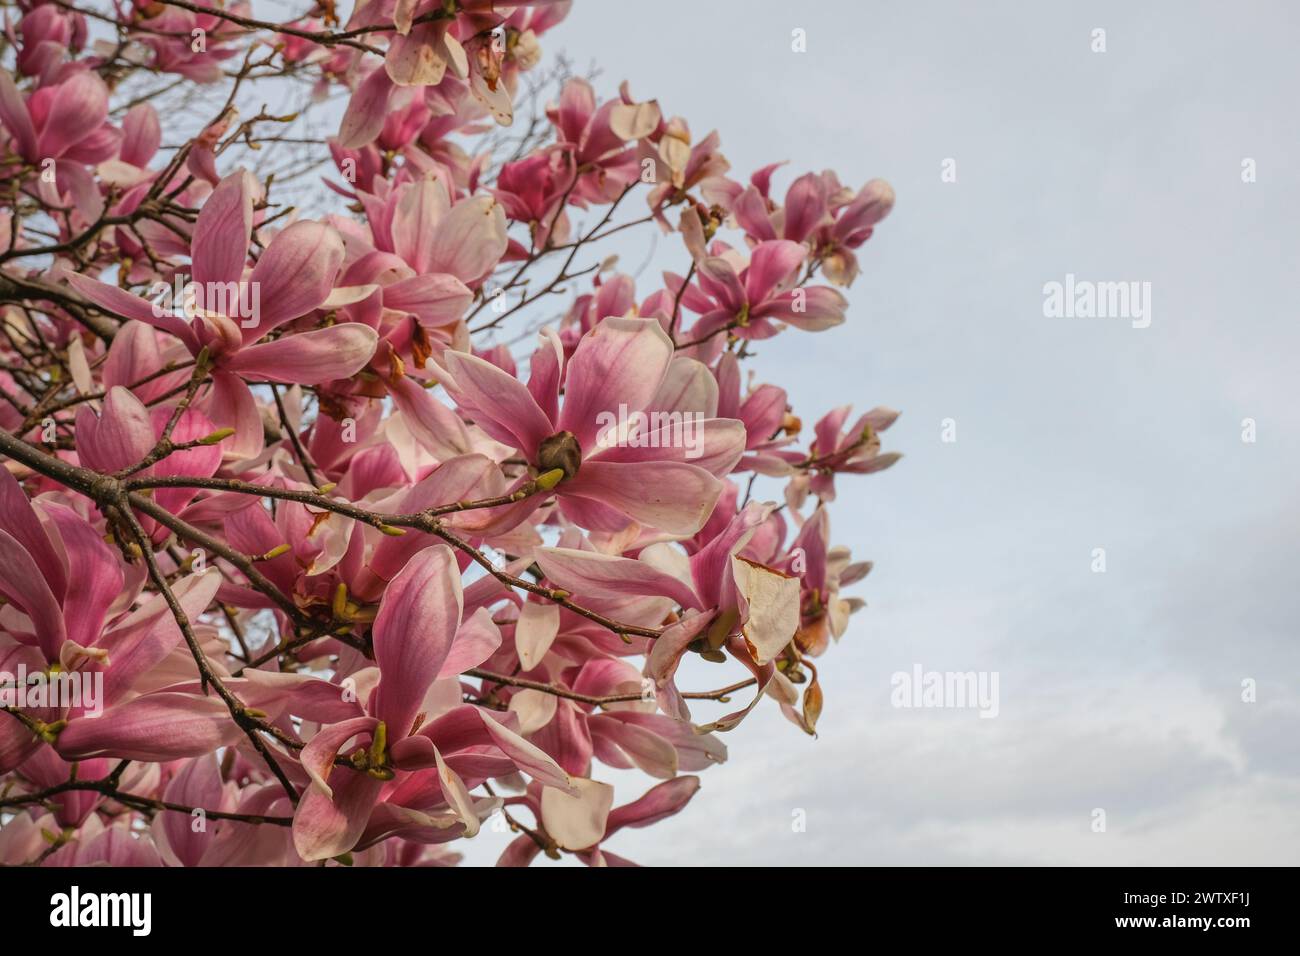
(1120, 690)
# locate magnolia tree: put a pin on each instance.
(353, 500)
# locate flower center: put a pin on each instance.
(561, 451)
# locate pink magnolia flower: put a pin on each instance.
(818, 211)
(679, 165)
(293, 277)
(67, 608)
(423, 251)
(597, 139)
(48, 33)
(610, 477)
(419, 638)
(748, 300)
(749, 608)
(836, 450)
(533, 190)
(347, 620)
(58, 130)
(65, 121)
(177, 48)
(764, 413)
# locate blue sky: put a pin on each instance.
(1119, 691)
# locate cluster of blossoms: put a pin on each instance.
(296, 565)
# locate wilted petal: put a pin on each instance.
(416, 59)
(535, 632)
(577, 820)
(773, 607)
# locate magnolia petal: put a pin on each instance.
(477, 639)
(577, 820)
(294, 275)
(119, 302)
(672, 496)
(367, 109)
(79, 105)
(535, 632)
(325, 827)
(156, 727)
(419, 208)
(232, 405)
(498, 402)
(219, 246)
(457, 795)
(309, 358)
(413, 634)
(534, 708)
(317, 757)
(470, 240)
(22, 584)
(657, 803)
(773, 607)
(621, 362)
(15, 116)
(591, 574)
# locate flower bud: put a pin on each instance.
(219, 435)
